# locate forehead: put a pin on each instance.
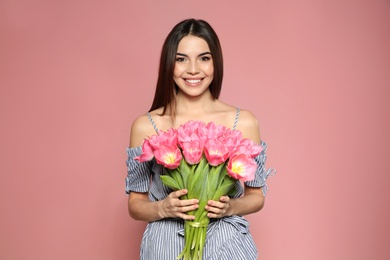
(192, 44)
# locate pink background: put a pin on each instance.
(74, 74)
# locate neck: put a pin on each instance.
(194, 105)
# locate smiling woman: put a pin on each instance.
(194, 69)
(188, 88)
(170, 56)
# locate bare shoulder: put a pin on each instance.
(140, 129)
(249, 125)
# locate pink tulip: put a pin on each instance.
(191, 131)
(168, 156)
(192, 151)
(214, 131)
(147, 152)
(241, 167)
(187, 136)
(247, 147)
(191, 141)
(168, 138)
(230, 138)
(216, 152)
(234, 134)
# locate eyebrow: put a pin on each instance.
(202, 54)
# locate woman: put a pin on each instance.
(188, 87)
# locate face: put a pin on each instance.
(194, 67)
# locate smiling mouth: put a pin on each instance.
(193, 81)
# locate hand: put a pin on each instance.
(172, 206)
(219, 209)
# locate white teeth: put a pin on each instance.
(193, 81)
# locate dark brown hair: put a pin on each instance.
(166, 87)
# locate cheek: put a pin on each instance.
(177, 71)
(210, 70)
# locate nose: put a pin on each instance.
(193, 68)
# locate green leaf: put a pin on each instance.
(169, 182)
(175, 174)
(185, 171)
(226, 186)
(197, 180)
(215, 179)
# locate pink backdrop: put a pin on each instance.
(74, 74)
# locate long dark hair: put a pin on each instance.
(166, 87)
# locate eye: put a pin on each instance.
(205, 58)
(180, 59)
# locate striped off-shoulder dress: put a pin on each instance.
(228, 238)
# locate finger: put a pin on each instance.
(181, 212)
(181, 192)
(185, 216)
(211, 203)
(183, 203)
(177, 194)
(213, 215)
(187, 207)
(224, 199)
(213, 209)
(215, 204)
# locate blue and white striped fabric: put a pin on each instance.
(227, 238)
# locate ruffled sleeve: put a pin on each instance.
(261, 173)
(138, 174)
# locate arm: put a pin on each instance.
(139, 205)
(253, 199)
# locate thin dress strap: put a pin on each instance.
(236, 119)
(152, 122)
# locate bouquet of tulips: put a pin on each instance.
(205, 159)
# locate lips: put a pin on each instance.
(193, 81)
